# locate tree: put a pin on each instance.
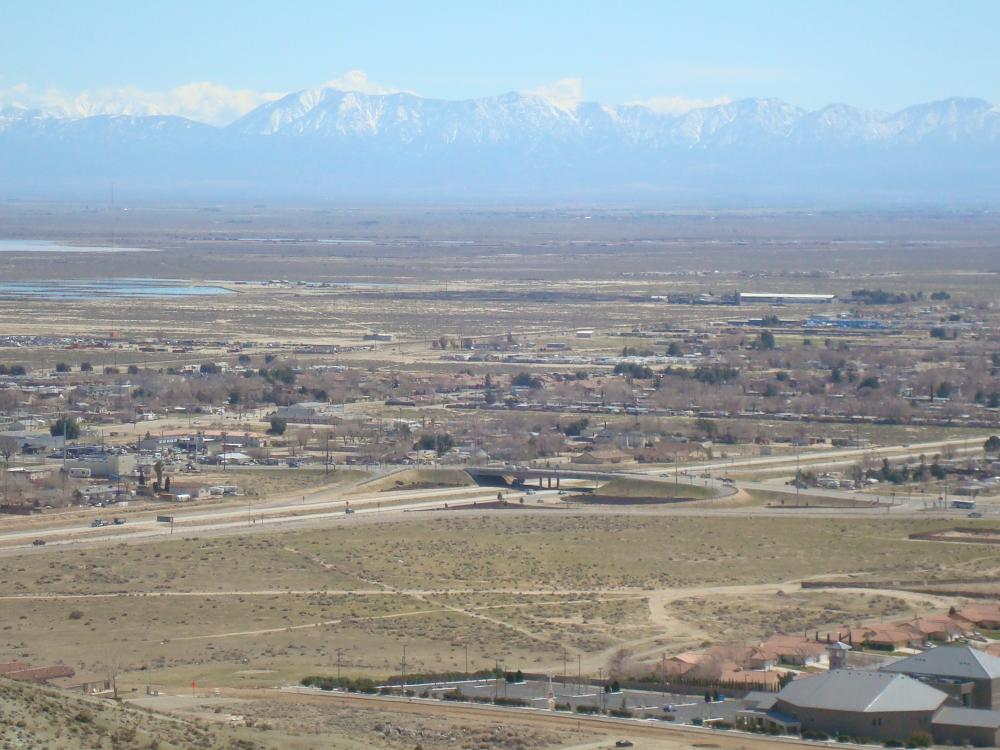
(65, 427)
(112, 663)
(526, 380)
(441, 443)
(86, 367)
(766, 340)
(62, 367)
(278, 425)
(8, 447)
(871, 382)
(992, 444)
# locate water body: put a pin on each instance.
(87, 289)
(47, 246)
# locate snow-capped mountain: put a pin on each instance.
(328, 142)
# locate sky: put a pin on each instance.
(216, 60)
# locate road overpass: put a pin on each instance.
(545, 476)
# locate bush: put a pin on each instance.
(76, 615)
(501, 701)
(815, 734)
(621, 713)
(920, 739)
(351, 684)
(585, 709)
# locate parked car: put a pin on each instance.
(118, 521)
(97, 523)
(975, 514)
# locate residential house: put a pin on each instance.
(982, 615)
(796, 650)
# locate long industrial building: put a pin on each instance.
(782, 298)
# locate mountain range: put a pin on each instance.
(326, 143)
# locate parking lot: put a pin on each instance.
(684, 708)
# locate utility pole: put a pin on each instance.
(663, 674)
(579, 673)
(466, 661)
(340, 653)
(403, 670)
(798, 475)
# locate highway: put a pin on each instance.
(331, 505)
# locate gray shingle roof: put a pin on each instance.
(949, 661)
(862, 691)
(968, 717)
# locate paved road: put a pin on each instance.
(325, 506)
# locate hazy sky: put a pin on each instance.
(885, 55)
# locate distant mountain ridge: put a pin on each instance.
(331, 143)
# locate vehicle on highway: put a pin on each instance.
(118, 521)
(975, 514)
(98, 522)
(529, 491)
(348, 511)
(39, 542)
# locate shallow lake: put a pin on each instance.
(95, 288)
(47, 246)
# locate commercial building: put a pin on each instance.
(870, 705)
(970, 676)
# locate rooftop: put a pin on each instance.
(863, 691)
(949, 661)
(968, 717)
